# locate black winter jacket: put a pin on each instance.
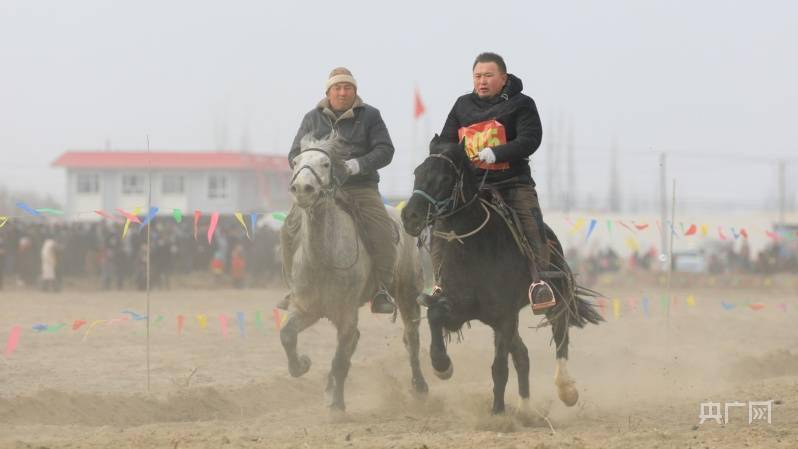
(519, 115)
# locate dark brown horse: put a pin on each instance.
(485, 276)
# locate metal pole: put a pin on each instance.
(149, 206)
(670, 248)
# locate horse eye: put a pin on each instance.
(446, 180)
(326, 165)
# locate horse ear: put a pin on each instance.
(434, 145)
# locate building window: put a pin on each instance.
(88, 183)
(133, 185)
(217, 187)
(173, 185)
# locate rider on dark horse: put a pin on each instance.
(500, 128)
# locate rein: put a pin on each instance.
(448, 207)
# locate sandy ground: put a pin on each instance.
(642, 379)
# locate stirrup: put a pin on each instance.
(541, 300)
(383, 302)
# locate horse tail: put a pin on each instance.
(578, 310)
(586, 311)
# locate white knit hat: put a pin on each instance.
(339, 75)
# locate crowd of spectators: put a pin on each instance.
(44, 255)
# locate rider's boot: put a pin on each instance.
(541, 297)
(431, 298)
(283, 304)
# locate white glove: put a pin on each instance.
(352, 167)
(487, 155)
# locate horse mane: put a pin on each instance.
(438, 146)
(334, 146)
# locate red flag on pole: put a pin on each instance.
(418, 106)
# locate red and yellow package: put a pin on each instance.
(478, 136)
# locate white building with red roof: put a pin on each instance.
(213, 181)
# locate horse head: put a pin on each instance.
(439, 187)
(318, 170)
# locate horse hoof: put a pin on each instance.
(497, 411)
(446, 374)
(568, 394)
(302, 366)
(338, 415)
(338, 409)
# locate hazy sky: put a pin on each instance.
(716, 78)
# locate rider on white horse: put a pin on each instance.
(363, 131)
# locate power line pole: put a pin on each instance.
(663, 201)
(551, 166)
(570, 199)
(782, 167)
(615, 194)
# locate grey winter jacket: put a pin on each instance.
(361, 128)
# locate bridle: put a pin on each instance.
(324, 190)
(328, 190)
(454, 203)
(447, 206)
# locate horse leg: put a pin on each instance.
(411, 313)
(503, 338)
(565, 384)
(289, 334)
(441, 363)
(348, 336)
(520, 356)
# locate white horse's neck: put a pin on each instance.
(322, 232)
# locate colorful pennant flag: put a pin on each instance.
(108, 216)
(240, 320)
(28, 209)
(212, 227)
(13, 340)
(153, 212)
(590, 229)
(240, 218)
(223, 324)
(616, 308)
(47, 210)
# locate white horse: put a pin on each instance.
(331, 275)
